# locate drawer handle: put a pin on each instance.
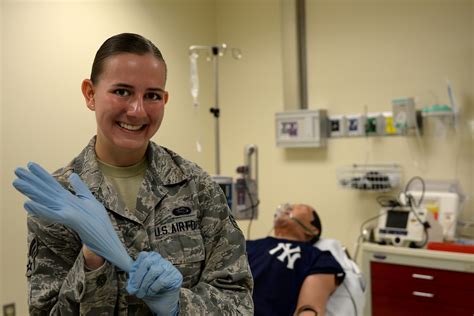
(423, 294)
(422, 276)
(380, 256)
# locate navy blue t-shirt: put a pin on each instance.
(279, 267)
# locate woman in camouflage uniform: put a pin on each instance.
(156, 200)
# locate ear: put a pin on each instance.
(166, 97)
(87, 88)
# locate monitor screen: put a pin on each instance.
(397, 219)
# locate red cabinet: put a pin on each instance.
(409, 290)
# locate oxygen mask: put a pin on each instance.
(282, 213)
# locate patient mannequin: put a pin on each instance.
(291, 277)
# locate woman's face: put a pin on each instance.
(129, 100)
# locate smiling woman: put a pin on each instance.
(172, 219)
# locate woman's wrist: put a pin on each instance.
(91, 260)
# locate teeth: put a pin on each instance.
(130, 127)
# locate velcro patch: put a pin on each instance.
(180, 211)
(32, 252)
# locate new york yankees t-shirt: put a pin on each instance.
(279, 267)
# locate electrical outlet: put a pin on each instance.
(390, 128)
(375, 124)
(337, 126)
(356, 125)
(9, 309)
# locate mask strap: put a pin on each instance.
(306, 228)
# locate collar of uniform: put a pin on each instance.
(163, 165)
(164, 170)
(87, 167)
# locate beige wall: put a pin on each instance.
(1, 150)
(360, 53)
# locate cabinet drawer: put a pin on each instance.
(424, 285)
(395, 306)
(417, 275)
(423, 293)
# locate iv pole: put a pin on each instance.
(216, 52)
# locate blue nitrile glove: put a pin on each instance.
(156, 281)
(81, 212)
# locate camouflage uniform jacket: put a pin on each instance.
(181, 213)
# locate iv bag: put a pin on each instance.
(194, 78)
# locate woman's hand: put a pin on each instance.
(79, 211)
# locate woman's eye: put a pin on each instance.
(122, 92)
(154, 96)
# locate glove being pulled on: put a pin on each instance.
(80, 212)
(156, 281)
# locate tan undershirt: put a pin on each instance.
(125, 180)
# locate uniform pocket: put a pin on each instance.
(182, 247)
(186, 252)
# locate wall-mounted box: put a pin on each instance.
(304, 128)
(404, 114)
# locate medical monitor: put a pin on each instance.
(397, 219)
(400, 226)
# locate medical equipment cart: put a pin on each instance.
(408, 281)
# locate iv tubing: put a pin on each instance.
(215, 56)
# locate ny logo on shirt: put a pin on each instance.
(291, 254)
